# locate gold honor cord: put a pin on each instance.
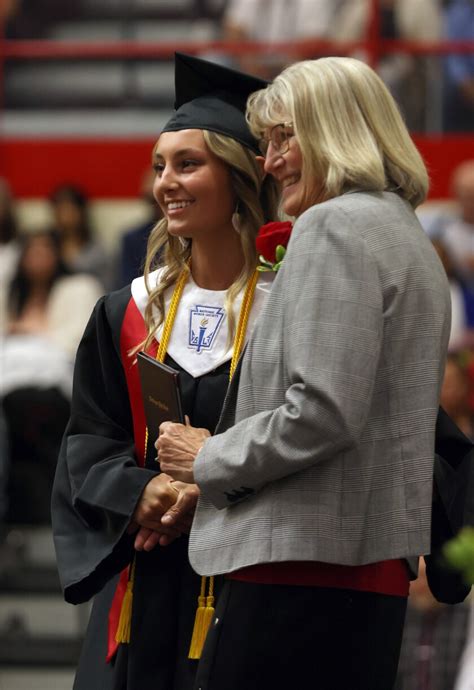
(205, 609)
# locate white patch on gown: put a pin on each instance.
(215, 350)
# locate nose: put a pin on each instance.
(164, 181)
(273, 160)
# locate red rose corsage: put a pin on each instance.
(271, 241)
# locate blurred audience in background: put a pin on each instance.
(413, 80)
(457, 235)
(465, 678)
(459, 336)
(459, 92)
(80, 251)
(9, 253)
(45, 309)
(275, 21)
(451, 229)
(134, 240)
(456, 394)
(24, 19)
(9, 244)
(433, 640)
(45, 298)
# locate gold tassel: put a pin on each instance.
(202, 621)
(125, 621)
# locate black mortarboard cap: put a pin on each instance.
(213, 97)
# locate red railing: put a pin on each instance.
(135, 50)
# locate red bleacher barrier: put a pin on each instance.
(113, 168)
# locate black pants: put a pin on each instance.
(279, 637)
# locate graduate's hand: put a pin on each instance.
(157, 497)
(177, 446)
(182, 511)
(179, 518)
(146, 539)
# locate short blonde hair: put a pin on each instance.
(348, 126)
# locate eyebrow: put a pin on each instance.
(176, 154)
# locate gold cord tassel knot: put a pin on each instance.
(202, 621)
(125, 620)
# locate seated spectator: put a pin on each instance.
(9, 244)
(458, 234)
(460, 335)
(455, 395)
(46, 312)
(459, 92)
(409, 78)
(80, 252)
(134, 241)
(433, 640)
(42, 292)
(9, 251)
(25, 19)
(434, 219)
(274, 21)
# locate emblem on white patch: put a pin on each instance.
(204, 324)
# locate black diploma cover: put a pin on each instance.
(160, 390)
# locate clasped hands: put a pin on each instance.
(166, 507)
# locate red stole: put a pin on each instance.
(133, 332)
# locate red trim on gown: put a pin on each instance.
(133, 332)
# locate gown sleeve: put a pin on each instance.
(98, 482)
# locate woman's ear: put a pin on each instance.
(261, 162)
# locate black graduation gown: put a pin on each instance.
(97, 486)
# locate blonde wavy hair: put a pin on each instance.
(257, 201)
(348, 126)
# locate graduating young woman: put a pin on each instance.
(195, 312)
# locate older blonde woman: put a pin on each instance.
(316, 489)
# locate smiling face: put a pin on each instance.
(192, 186)
(287, 169)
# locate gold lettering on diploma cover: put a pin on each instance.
(158, 403)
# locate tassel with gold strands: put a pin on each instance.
(202, 621)
(205, 609)
(125, 620)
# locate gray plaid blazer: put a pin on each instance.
(325, 446)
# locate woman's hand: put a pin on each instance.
(177, 446)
